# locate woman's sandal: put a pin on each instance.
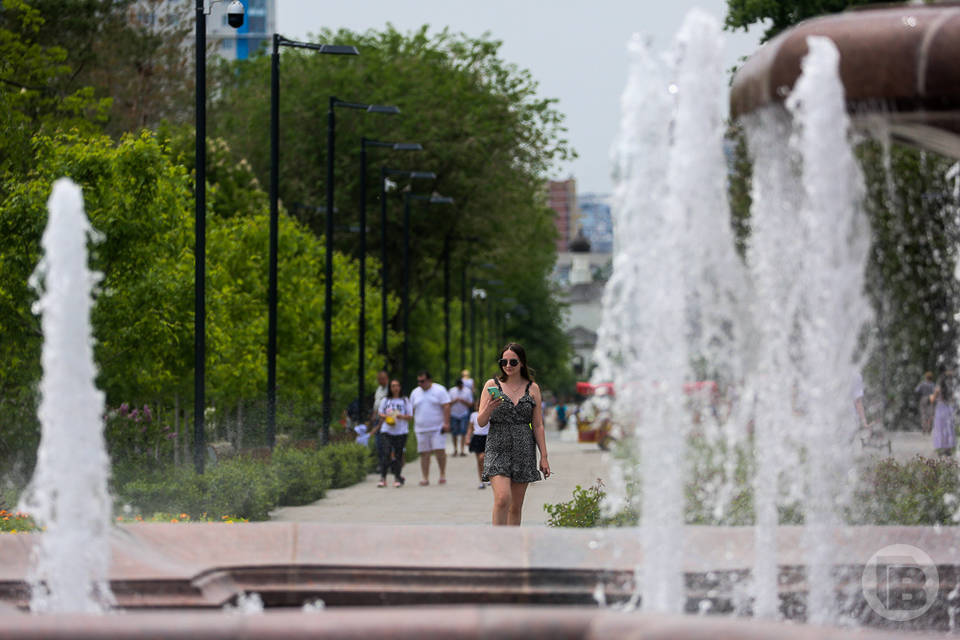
(424, 483)
(397, 485)
(382, 483)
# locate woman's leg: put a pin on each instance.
(480, 466)
(501, 499)
(383, 453)
(517, 492)
(397, 445)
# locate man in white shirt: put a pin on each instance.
(461, 404)
(383, 390)
(431, 418)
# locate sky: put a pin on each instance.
(575, 49)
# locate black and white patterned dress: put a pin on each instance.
(511, 449)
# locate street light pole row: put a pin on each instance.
(235, 13)
(328, 270)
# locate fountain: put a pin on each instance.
(68, 495)
(778, 335)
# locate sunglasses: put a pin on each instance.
(512, 362)
(421, 380)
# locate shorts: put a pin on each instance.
(478, 444)
(428, 441)
(458, 426)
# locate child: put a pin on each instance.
(363, 438)
(477, 443)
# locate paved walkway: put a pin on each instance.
(457, 502)
(461, 502)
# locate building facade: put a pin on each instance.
(562, 198)
(596, 221)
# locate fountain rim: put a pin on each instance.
(897, 63)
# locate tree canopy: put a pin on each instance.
(485, 132)
(93, 90)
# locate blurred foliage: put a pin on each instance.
(16, 522)
(245, 487)
(128, 54)
(919, 492)
(778, 15)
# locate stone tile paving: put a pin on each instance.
(459, 501)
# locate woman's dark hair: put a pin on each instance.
(946, 384)
(390, 389)
(525, 372)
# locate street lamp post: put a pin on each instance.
(272, 295)
(463, 316)
(328, 266)
(430, 199)
(362, 322)
(235, 11)
(384, 173)
(446, 316)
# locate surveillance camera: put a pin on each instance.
(235, 14)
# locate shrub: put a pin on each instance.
(348, 463)
(176, 489)
(248, 488)
(243, 488)
(582, 511)
(922, 491)
(302, 476)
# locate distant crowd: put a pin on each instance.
(435, 412)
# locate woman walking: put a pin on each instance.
(944, 438)
(511, 405)
(395, 410)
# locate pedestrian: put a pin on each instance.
(924, 390)
(395, 411)
(467, 380)
(461, 402)
(944, 438)
(363, 438)
(510, 404)
(431, 419)
(477, 442)
(383, 383)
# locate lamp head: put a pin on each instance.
(235, 13)
(381, 108)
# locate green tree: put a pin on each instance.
(742, 14)
(36, 94)
(131, 52)
(486, 133)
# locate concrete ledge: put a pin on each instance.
(205, 566)
(424, 623)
